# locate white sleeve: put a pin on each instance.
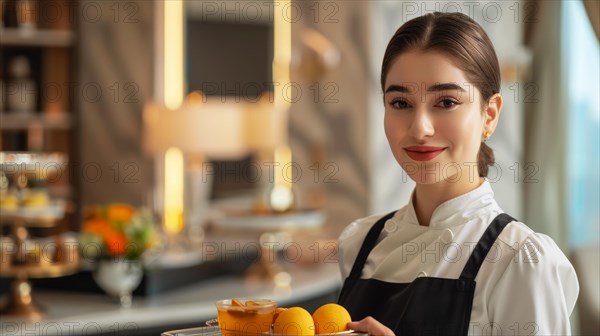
(537, 292)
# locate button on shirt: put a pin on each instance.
(526, 285)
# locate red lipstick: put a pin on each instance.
(423, 153)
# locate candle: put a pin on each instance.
(281, 197)
(173, 201)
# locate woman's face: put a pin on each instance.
(433, 118)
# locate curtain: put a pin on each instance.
(584, 124)
(545, 135)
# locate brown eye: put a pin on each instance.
(447, 103)
(399, 104)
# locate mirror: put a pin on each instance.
(229, 53)
(228, 48)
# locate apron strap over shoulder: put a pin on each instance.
(484, 245)
(367, 245)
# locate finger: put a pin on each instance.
(371, 326)
(362, 325)
(355, 326)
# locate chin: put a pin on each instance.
(427, 179)
(423, 172)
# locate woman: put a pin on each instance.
(450, 262)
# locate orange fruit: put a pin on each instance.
(295, 321)
(120, 212)
(331, 318)
(276, 313)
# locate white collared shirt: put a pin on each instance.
(526, 285)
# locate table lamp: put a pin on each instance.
(181, 140)
(184, 139)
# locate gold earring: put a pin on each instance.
(486, 135)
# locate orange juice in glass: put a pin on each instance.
(249, 317)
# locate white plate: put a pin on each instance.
(214, 330)
(347, 332)
(201, 331)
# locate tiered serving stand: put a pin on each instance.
(25, 257)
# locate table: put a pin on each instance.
(90, 314)
(214, 331)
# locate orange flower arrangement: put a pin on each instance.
(117, 230)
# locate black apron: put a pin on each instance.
(426, 306)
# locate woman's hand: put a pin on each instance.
(370, 326)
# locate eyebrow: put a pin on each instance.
(433, 88)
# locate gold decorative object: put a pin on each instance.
(24, 257)
(317, 56)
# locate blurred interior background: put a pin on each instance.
(252, 132)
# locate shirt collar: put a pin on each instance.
(456, 211)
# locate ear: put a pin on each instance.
(492, 113)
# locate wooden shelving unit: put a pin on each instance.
(48, 121)
(51, 126)
(36, 38)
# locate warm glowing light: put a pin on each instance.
(173, 201)
(195, 99)
(283, 171)
(281, 197)
(283, 55)
(282, 279)
(173, 53)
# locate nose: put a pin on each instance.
(422, 125)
